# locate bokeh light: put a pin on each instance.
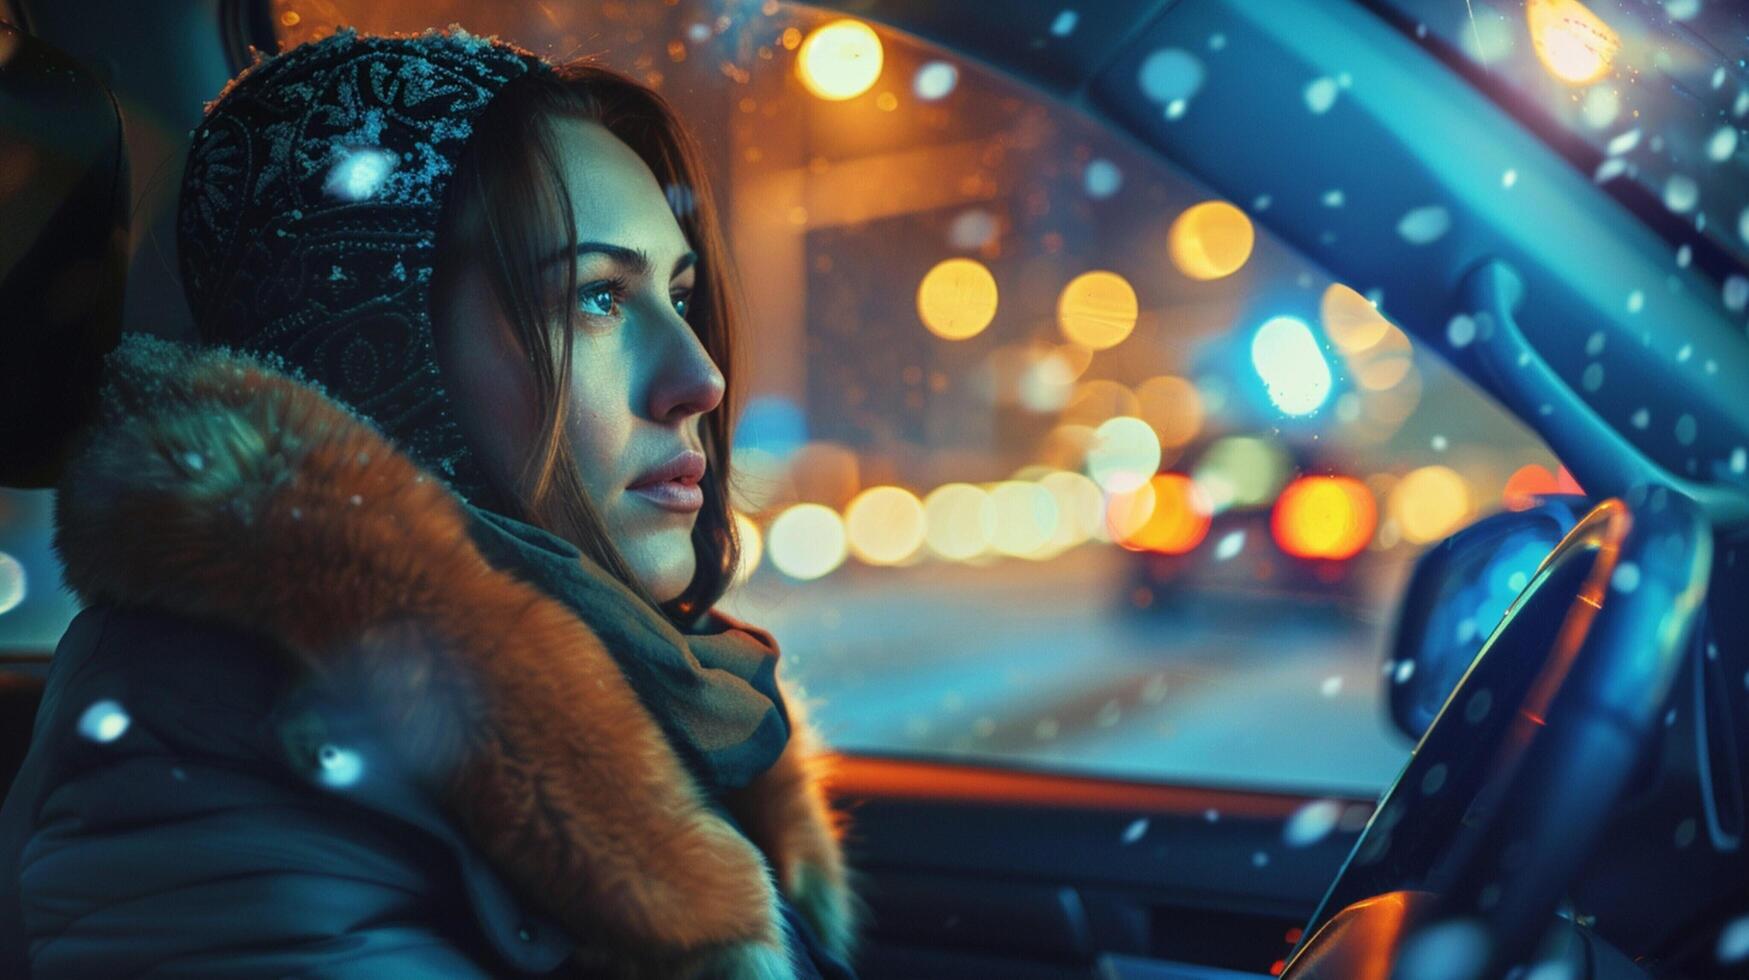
(1080, 510)
(958, 521)
(1173, 407)
(1429, 503)
(1210, 240)
(1294, 372)
(1350, 319)
(1385, 364)
(840, 60)
(1124, 454)
(1324, 517)
(934, 80)
(1169, 514)
(1046, 383)
(884, 525)
(1574, 44)
(806, 541)
(1065, 447)
(13, 586)
(1241, 471)
(1097, 309)
(752, 548)
(957, 298)
(1097, 399)
(775, 425)
(826, 473)
(1025, 518)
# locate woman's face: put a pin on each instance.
(640, 378)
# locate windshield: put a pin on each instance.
(1049, 456)
(1649, 98)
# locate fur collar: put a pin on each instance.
(220, 486)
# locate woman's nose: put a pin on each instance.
(687, 382)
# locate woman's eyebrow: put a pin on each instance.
(637, 260)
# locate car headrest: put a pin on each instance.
(63, 251)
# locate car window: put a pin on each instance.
(1650, 98)
(1049, 457)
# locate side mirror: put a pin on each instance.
(1456, 595)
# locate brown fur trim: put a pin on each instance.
(786, 812)
(216, 486)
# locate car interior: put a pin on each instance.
(1574, 801)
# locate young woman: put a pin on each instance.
(400, 656)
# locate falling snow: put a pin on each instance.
(1601, 106)
(104, 721)
(1460, 331)
(1135, 830)
(1681, 193)
(1154, 691)
(1722, 144)
(1102, 179)
(1311, 823)
(1479, 705)
(1624, 142)
(1626, 577)
(12, 583)
(338, 767)
(1686, 430)
(1109, 714)
(1735, 293)
(1424, 225)
(934, 80)
(1321, 94)
(1171, 74)
(1685, 833)
(1733, 944)
(1434, 780)
(1230, 545)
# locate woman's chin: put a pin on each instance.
(663, 560)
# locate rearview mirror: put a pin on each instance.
(1458, 592)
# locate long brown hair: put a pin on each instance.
(506, 205)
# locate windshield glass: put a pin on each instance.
(1650, 98)
(1049, 456)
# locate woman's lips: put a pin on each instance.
(679, 496)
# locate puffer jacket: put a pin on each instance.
(204, 795)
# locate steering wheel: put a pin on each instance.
(1510, 788)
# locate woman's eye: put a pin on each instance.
(683, 304)
(598, 299)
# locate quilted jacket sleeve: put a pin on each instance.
(161, 842)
